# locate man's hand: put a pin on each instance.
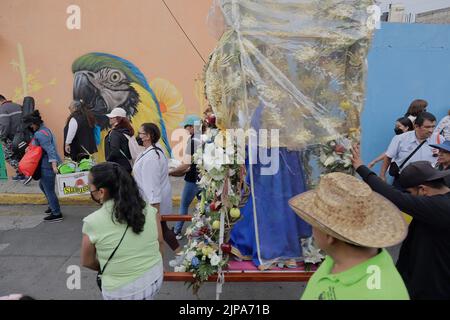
(371, 164)
(356, 156)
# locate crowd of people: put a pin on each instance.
(363, 218)
(353, 220)
(132, 187)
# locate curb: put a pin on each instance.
(37, 199)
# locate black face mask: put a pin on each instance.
(139, 141)
(398, 131)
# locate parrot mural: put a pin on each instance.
(105, 81)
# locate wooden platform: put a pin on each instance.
(246, 276)
(238, 276)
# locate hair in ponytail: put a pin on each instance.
(155, 134)
(153, 131)
(128, 203)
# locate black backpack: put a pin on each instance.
(23, 134)
(20, 141)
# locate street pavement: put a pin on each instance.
(35, 257)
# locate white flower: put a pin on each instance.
(180, 269)
(213, 157)
(190, 255)
(323, 157)
(199, 224)
(347, 163)
(330, 160)
(215, 259)
(218, 175)
(311, 253)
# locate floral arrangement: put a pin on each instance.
(311, 253)
(336, 155)
(222, 171)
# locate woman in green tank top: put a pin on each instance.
(125, 222)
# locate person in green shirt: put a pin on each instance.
(125, 222)
(350, 224)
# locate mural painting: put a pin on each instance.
(105, 81)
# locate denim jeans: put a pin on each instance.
(47, 185)
(190, 190)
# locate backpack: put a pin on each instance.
(20, 141)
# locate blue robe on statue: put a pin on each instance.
(271, 233)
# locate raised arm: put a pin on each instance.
(429, 209)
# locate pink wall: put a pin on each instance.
(141, 31)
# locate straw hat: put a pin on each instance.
(347, 209)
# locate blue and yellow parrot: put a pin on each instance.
(105, 82)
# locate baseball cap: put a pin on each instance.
(117, 112)
(190, 120)
(420, 172)
(443, 146)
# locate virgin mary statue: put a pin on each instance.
(291, 74)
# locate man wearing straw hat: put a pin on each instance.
(424, 260)
(351, 223)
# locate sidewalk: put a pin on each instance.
(39, 259)
(15, 193)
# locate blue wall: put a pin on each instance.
(406, 62)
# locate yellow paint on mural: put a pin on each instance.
(171, 103)
(30, 82)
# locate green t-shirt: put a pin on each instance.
(374, 279)
(136, 254)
